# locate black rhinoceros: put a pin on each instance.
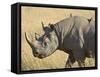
(74, 35)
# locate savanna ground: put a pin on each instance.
(31, 22)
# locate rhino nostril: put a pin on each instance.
(36, 54)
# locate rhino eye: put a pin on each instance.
(45, 43)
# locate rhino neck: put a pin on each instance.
(53, 45)
(63, 29)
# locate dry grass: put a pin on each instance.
(31, 22)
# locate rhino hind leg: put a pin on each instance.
(81, 63)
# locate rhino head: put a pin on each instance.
(44, 45)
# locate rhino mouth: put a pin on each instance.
(39, 56)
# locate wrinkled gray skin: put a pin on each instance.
(74, 35)
(44, 46)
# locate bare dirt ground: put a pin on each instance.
(31, 22)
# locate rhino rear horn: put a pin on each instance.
(36, 36)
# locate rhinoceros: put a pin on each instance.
(74, 35)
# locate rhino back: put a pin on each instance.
(62, 29)
(68, 31)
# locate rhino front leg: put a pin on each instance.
(70, 62)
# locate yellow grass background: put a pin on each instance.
(31, 18)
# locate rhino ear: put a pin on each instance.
(51, 26)
(43, 25)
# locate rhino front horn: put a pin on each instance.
(31, 45)
(42, 25)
